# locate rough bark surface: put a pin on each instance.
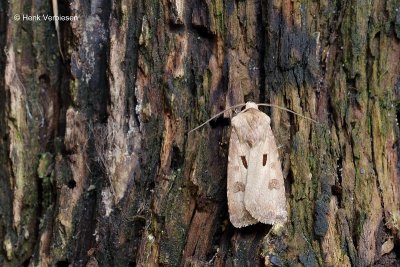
(97, 168)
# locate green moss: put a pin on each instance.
(387, 112)
(355, 32)
(300, 168)
(219, 15)
(46, 159)
(74, 89)
(173, 238)
(361, 218)
(8, 247)
(46, 175)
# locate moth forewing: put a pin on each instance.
(265, 197)
(236, 184)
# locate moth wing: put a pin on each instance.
(237, 174)
(265, 197)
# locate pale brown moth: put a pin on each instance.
(256, 190)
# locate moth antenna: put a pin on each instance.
(260, 104)
(216, 115)
(288, 110)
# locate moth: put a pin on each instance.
(255, 188)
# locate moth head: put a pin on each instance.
(251, 105)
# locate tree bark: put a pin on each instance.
(96, 165)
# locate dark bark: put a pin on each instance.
(96, 165)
